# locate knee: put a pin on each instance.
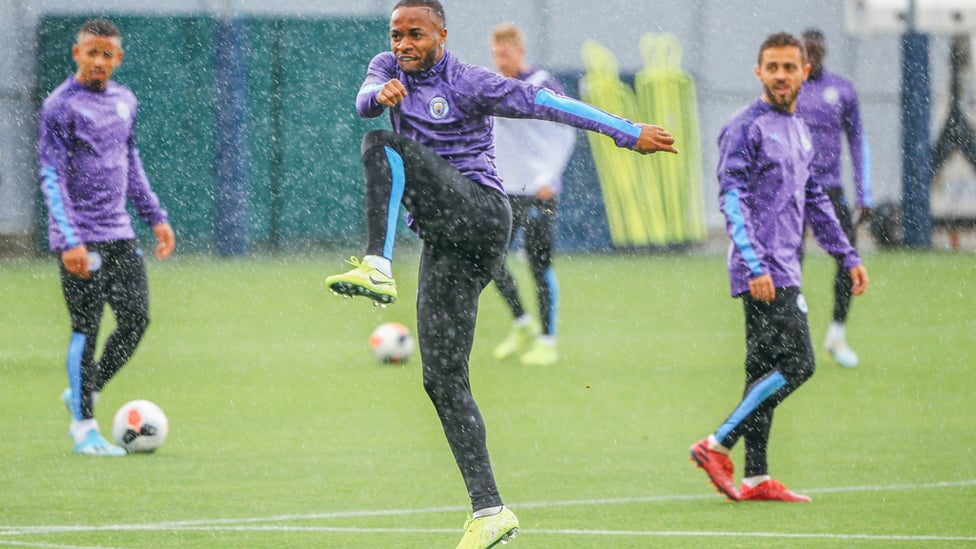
(85, 324)
(540, 271)
(800, 373)
(445, 394)
(432, 388)
(135, 324)
(437, 391)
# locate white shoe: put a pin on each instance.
(95, 445)
(841, 353)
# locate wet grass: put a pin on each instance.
(286, 433)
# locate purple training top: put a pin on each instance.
(766, 191)
(90, 165)
(829, 106)
(449, 108)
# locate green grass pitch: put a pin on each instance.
(284, 432)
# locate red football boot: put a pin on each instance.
(717, 466)
(770, 490)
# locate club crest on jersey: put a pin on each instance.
(122, 109)
(438, 107)
(831, 95)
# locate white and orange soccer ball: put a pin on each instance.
(391, 343)
(140, 426)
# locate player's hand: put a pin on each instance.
(545, 193)
(165, 240)
(391, 93)
(76, 261)
(859, 276)
(762, 289)
(654, 138)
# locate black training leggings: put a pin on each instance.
(842, 280)
(465, 229)
(121, 283)
(779, 359)
(538, 218)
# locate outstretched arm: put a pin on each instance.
(513, 98)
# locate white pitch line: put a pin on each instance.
(872, 537)
(241, 523)
(576, 532)
(891, 487)
(40, 545)
(186, 524)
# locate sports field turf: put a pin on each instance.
(285, 433)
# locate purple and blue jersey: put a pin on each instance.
(449, 108)
(829, 106)
(90, 166)
(767, 191)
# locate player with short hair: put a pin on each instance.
(89, 168)
(530, 156)
(828, 104)
(438, 163)
(767, 191)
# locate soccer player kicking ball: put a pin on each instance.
(767, 192)
(437, 162)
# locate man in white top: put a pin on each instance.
(530, 156)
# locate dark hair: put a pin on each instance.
(813, 34)
(782, 40)
(100, 27)
(433, 5)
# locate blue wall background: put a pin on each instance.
(300, 173)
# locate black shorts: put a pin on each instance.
(120, 282)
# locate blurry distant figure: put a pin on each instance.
(829, 106)
(767, 190)
(530, 156)
(437, 163)
(89, 169)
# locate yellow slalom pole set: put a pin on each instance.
(653, 200)
(618, 170)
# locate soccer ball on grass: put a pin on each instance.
(140, 426)
(391, 343)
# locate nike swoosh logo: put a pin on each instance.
(379, 282)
